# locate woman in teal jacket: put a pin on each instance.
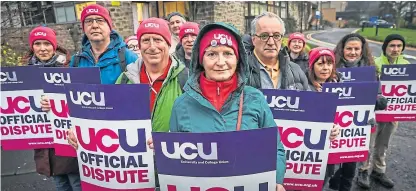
(211, 101)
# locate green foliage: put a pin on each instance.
(408, 34)
(10, 57)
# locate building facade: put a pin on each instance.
(18, 18)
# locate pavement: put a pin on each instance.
(330, 37)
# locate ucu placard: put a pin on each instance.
(358, 74)
(398, 85)
(355, 109)
(216, 161)
(53, 85)
(112, 133)
(24, 126)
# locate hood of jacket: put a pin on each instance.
(196, 68)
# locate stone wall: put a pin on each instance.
(68, 35)
(122, 17)
(203, 12)
(230, 12)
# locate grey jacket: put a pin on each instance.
(302, 60)
(180, 54)
(291, 75)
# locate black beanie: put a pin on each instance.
(390, 38)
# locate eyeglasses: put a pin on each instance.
(265, 36)
(133, 47)
(99, 21)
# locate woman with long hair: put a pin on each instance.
(44, 51)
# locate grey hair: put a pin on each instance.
(270, 15)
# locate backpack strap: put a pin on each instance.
(77, 58)
(122, 57)
(124, 79)
(183, 77)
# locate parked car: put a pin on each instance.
(381, 24)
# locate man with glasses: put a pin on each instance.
(187, 36)
(271, 68)
(101, 46)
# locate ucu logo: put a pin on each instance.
(297, 35)
(151, 25)
(40, 34)
(193, 150)
(6, 76)
(346, 75)
(282, 101)
(56, 78)
(324, 52)
(86, 98)
(395, 71)
(343, 92)
(92, 10)
(189, 30)
(221, 36)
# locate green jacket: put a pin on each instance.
(171, 89)
(193, 113)
(383, 60)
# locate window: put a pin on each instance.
(283, 9)
(172, 6)
(252, 9)
(65, 13)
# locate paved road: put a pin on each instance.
(333, 36)
(18, 173)
(402, 153)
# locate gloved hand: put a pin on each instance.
(381, 103)
(371, 122)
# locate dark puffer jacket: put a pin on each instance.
(47, 163)
(302, 60)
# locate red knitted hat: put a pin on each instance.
(154, 26)
(130, 38)
(217, 37)
(96, 9)
(42, 33)
(297, 35)
(188, 28)
(316, 53)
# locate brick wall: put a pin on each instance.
(230, 12)
(203, 12)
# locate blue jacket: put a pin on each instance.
(193, 113)
(108, 62)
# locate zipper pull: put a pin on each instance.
(218, 90)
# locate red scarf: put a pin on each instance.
(217, 92)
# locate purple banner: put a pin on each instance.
(221, 154)
(108, 102)
(54, 78)
(352, 93)
(300, 105)
(401, 72)
(20, 78)
(358, 74)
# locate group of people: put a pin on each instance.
(208, 79)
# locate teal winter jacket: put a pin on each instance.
(193, 113)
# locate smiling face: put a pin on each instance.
(353, 50)
(323, 68)
(175, 23)
(154, 49)
(296, 46)
(133, 45)
(96, 28)
(220, 63)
